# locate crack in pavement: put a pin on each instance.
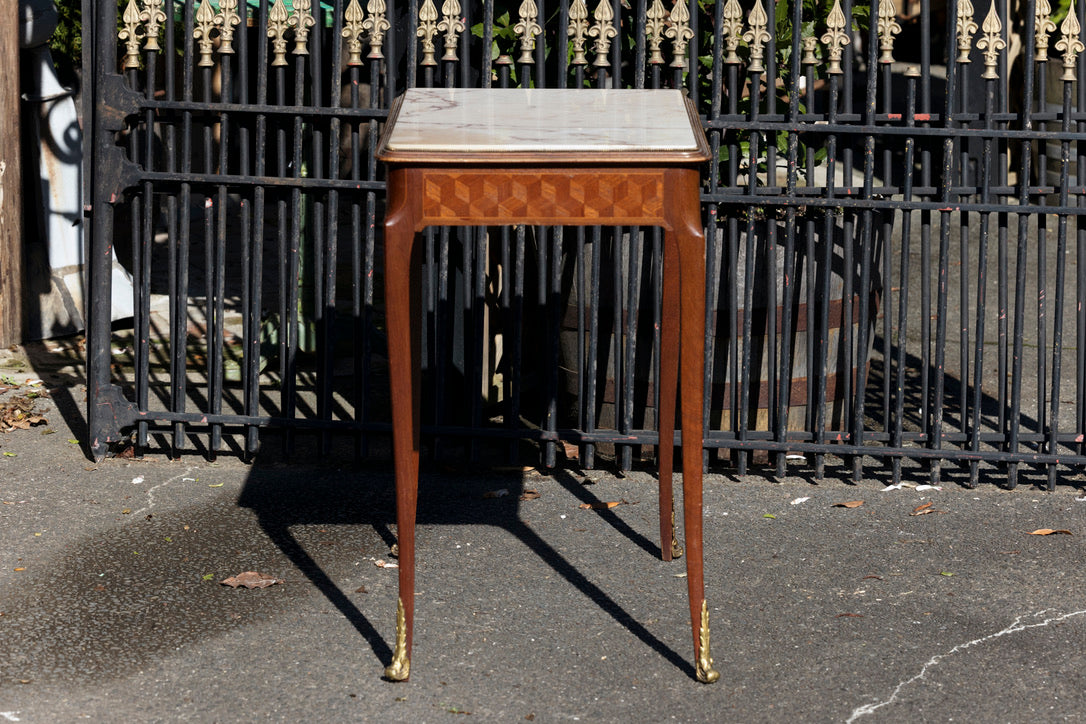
(151, 491)
(935, 660)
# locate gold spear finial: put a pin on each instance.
(1069, 43)
(835, 37)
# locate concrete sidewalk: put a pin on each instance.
(111, 606)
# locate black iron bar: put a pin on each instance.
(284, 278)
(823, 311)
(590, 366)
(976, 404)
(515, 334)
(1080, 265)
(951, 145)
(772, 330)
(141, 262)
(1080, 256)
(550, 300)
(169, 143)
(901, 337)
(1055, 391)
(866, 239)
(967, 169)
(1003, 167)
(168, 107)
(216, 257)
(179, 338)
(255, 292)
(744, 370)
(791, 265)
(756, 441)
(328, 242)
(248, 367)
(626, 342)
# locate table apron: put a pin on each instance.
(620, 197)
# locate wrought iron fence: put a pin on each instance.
(895, 262)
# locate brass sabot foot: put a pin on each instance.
(705, 671)
(400, 668)
(676, 547)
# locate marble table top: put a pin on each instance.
(542, 120)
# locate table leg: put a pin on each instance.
(670, 322)
(402, 307)
(685, 245)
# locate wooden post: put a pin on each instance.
(11, 181)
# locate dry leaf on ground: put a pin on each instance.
(849, 504)
(128, 451)
(251, 579)
(572, 451)
(601, 505)
(529, 495)
(1050, 531)
(19, 414)
(925, 509)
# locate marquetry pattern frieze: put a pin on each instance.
(628, 197)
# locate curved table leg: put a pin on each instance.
(402, 307)
(685, 248)
(670, 322)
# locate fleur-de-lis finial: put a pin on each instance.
(278, 23)
(603, 30)
(353, 18)
(732, 30)
(527, 29)
(578, 30)
(655, 22)
(888, 27)
(680, 33)
(835, 37)
(810, 45)
(1042, 28)
(201, 32)
(1069, 43)
(426, 31)
(302, 20)
(130, 35)
(154, 17)
(757, 37)
(227, 20)
(966, 28)
(378, 24)
(451, 25)
(991, 42)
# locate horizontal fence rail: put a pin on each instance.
(895, 260)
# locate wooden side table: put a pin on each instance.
(489, 157)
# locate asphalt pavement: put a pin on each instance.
(530, 607)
